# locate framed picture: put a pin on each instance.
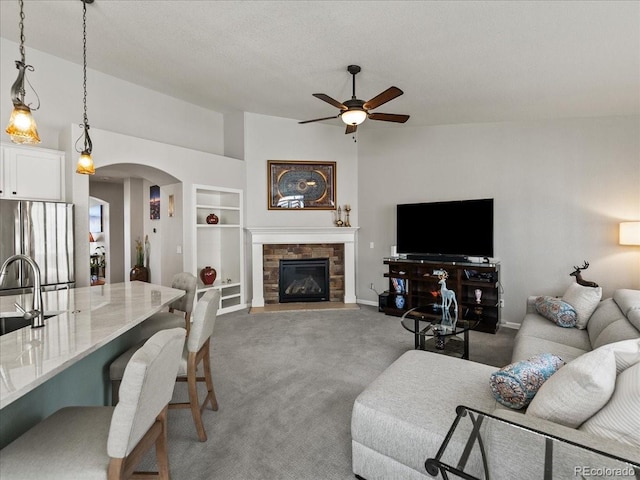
(154, 202)
(299, 185)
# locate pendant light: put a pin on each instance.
(22, 127)
(85, 162)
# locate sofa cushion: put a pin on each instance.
(559, 312)
(406, 412)
(610, 446)
(629, 303)
(606, 313)
(527, 346)
(584, 300)
(619, 419)
(615, 332)
(578, 390)
(516, 384)
(535, 325)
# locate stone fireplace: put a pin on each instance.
(271, 244)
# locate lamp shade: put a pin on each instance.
(353, 117)
(630, 233)
(85, 164)
(22, 126)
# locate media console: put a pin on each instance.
(419, 284)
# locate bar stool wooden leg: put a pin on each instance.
(193, 395)
(211, 393)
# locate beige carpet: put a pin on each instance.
(286, 383)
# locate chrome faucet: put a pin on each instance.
(36, 314)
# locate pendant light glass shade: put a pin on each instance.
(22, 127)
(85, 164)
(354, 117)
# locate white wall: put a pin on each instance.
(170, 232)
(112, 104)
(273, 138)
(560, 187)
(188, 166)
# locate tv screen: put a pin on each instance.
(454, 228)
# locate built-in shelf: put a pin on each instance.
(220, 245)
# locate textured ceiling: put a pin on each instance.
(457, 61)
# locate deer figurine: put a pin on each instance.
(448, 296)
(579, 279)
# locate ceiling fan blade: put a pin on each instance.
(330, 100)
(350, 129)
(320, 119)
(389, 117)
(389, 94)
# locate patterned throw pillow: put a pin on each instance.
(556, 310)
(515, 385)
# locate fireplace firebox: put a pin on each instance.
(304, 280)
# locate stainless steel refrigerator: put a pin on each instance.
(43, 231)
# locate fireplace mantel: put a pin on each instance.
(302, 235)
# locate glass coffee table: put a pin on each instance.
(426, 324)
(481, 446)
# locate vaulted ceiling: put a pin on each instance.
(457, 61)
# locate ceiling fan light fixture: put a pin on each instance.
(353, 116)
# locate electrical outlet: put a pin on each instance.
(371, 286)
(501, 303)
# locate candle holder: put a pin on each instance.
(339, 222)
(347, 223)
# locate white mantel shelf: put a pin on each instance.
(302, 235)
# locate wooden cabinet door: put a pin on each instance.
(32, 174)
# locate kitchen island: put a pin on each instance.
(68, 358)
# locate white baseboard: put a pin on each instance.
(513, 325)
(367, 302)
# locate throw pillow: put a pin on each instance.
(619, 419)
(556, 310)
(577, 391)
(584, 300)
(626, 352)
(515, 385)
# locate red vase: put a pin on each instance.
(212, 219)
(208, 275)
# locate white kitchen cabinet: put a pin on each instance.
(220, 245)
(31, 173)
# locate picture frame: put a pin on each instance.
(154, 202)
(301, 185)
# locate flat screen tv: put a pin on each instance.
(452, 229)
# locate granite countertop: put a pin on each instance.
(86, 319)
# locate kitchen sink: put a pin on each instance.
(10, 322)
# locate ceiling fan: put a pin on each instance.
(355, 111)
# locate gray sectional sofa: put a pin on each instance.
(402, 417)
